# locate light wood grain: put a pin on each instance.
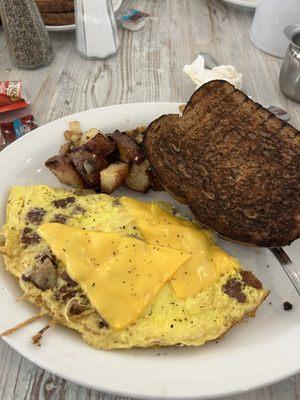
(148, 67)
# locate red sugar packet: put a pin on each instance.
(11, 96)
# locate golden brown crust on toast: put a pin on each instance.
(235, 163)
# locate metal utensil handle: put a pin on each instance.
(289, 268)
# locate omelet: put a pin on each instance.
(121, 272)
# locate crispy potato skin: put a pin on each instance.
(64, 169)
(129, 150)
(100, 144)
(89, 165)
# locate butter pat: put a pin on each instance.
(200, 75)
(120, 275)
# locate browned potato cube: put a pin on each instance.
(137, 134)
(129, 150)
(89, 166)
(113, 177)
(65, 149)
(100, 144)
(138, 178)
(88, 135)
(63, 168)
(72, 136)
(75, 126)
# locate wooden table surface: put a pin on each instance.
(148, 67)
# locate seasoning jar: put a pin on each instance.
(25, 32)
(96, 29)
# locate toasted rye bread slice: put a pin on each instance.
(236, 165)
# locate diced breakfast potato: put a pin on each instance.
(94, 160)
(88, 135)
(101, 144)
(129, 150)
(65, 149)
(72, 136)
(63, 168)
(138, 178)
(75, 126)
(89, 166)
(113, 177)
(137, 134)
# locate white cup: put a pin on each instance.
(271, 17)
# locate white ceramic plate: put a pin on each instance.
(252, 354)
(67, 28)
(242, 3)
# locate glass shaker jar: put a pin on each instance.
(96, 29)
(25, 32)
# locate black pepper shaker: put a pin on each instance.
(25, 32)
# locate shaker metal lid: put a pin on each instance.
(292, 32)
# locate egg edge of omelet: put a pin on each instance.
(105, 339)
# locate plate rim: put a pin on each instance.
(34, 356)
(139, 396)
(60, 28)
(241, 3)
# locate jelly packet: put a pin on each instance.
(11, 96)
(134, 20)
(10, 131)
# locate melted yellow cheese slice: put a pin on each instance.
(120, 275)
(159, 227)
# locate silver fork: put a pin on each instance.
(289, 268)
(210, 63)
(281, 256)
